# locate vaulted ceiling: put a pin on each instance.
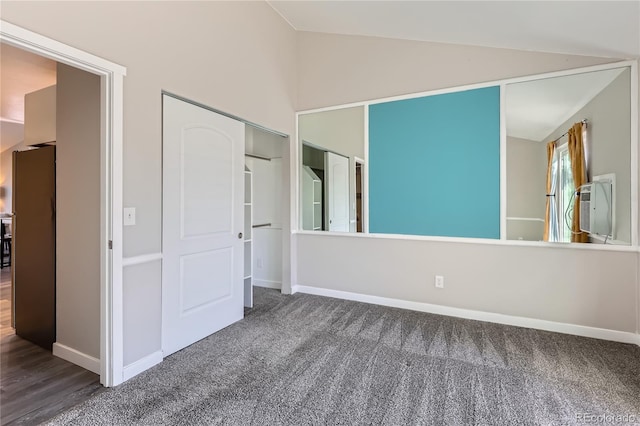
(593, 28)
(597, 28)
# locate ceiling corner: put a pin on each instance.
(281, 15)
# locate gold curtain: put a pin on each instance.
(551, 148)
(576, 155)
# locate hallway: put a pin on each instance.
(34, 384)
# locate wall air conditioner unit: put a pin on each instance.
(597, 205)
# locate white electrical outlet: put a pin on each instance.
(439, 281)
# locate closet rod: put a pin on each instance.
(259, 157)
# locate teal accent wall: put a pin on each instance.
(434, 165)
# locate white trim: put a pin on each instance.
(635, 175)
(538, 324)
(365, 173)
(267, 284)
(335, 107)
(76, 357)
(503, 161)
(638, 298)
(288, 254)
(295, 206)
(141, 365)
(634, 153)
(462, 240)
(52, 49)
(531, 219)
(112, 351)
(112, 76)
(144, 258)
(363, 179)
(287, 288)
(296, 189)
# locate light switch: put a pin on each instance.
(129, 216)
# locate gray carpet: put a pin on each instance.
(313, 360)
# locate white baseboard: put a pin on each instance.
(267, 284)
(558, 327)
(141, 365)
(76, 357)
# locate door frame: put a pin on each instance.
(363, 183)
(111, 189)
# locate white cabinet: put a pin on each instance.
(40, 116)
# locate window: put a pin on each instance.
(564, 194)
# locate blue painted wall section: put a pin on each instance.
(434, 165)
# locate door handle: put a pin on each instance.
(240, 235)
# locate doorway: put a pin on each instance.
(109, 363)
(54, 174)
(264, 152)
(359, 196)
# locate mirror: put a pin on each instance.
(542, 112)
(434, 162)
(332, 163)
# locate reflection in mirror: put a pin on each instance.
(568, 158)
(332, 151)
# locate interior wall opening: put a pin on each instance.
(50, 145)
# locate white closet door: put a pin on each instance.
(337, 191)
(203, 218)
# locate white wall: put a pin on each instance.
(335, 69)
(608, 136)
(340, 131)
(238, 57)
(78, 210)
(141, 336)
(526, 188)
(576, 286)
(586, 287)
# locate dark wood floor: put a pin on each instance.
(34, 384)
